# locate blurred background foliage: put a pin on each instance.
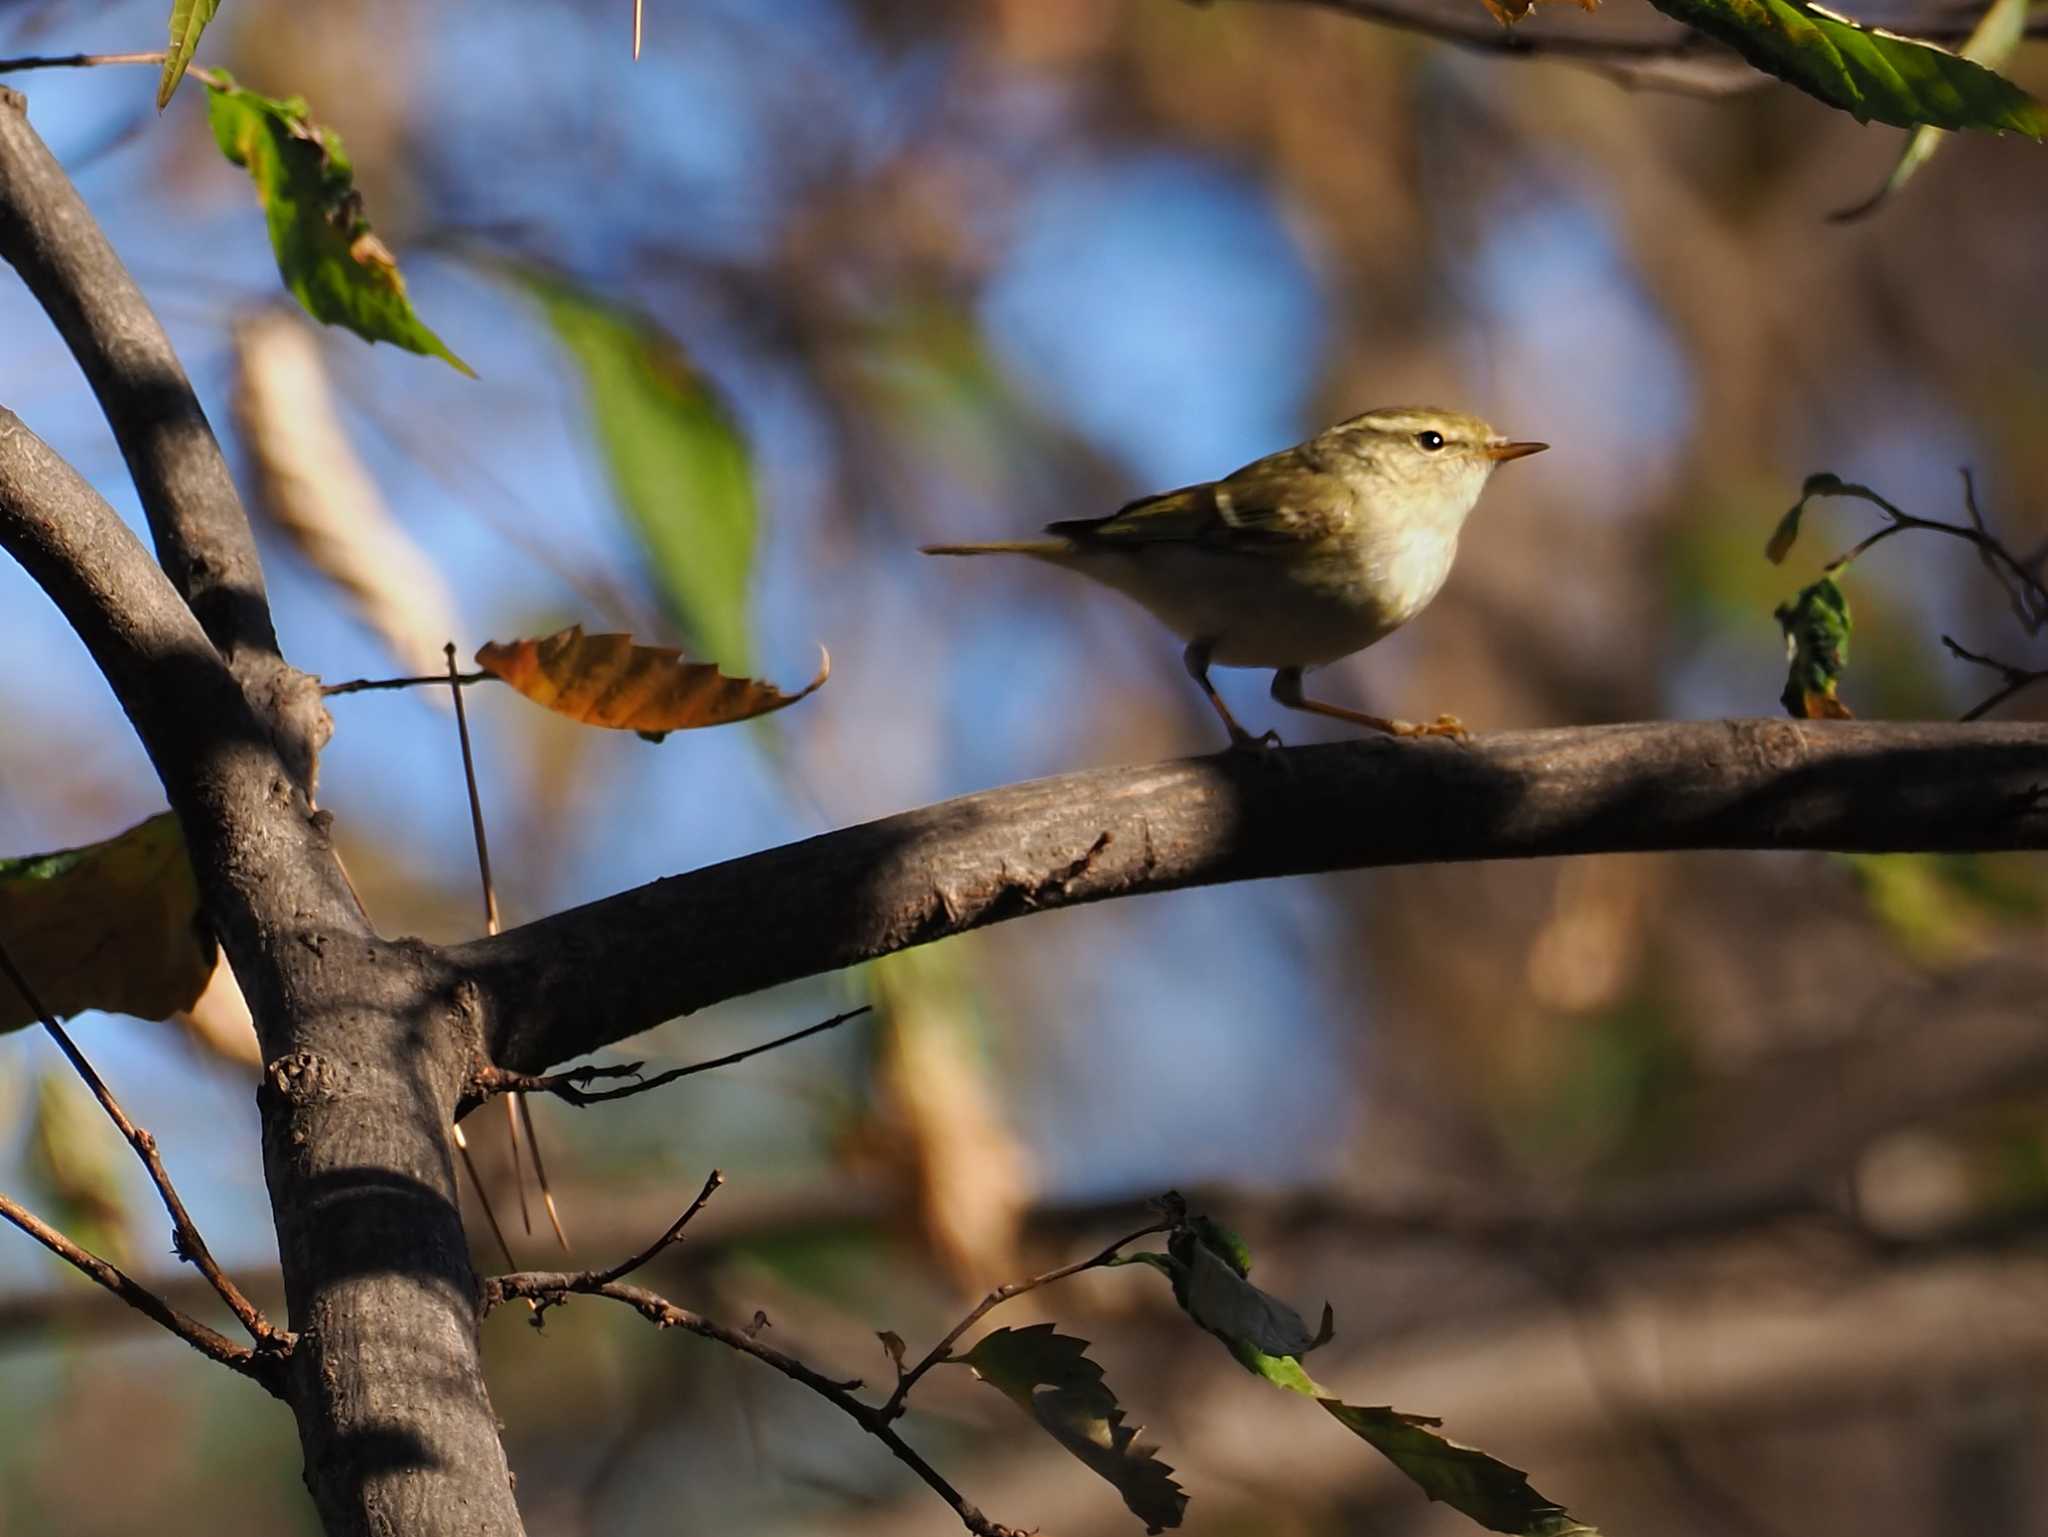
(1698, 1184)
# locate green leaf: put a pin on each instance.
(327, 254)
(1229, 1306)
(677, 464)
(1495, 1495)
(1990, 43)
(1816, 623)
(1202, 1252)
(188, 20)
(1049, 1377)
(1869, 73)
(114, 926)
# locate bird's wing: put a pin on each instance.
(1280, 501)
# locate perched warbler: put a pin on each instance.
(1299, 558)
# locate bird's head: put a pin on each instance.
(1420, 451)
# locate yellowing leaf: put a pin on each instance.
(1049, 1377)
(1495, 1495)
(114, 925)
(327, 254)
(188, 20)
(606, 680)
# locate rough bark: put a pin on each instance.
(581, 979)
(366, 1055)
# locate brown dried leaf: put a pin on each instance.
(606, 680)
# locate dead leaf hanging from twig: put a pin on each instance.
(606, 680)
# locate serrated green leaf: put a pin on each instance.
(1869, 73)
(677, 463)
(1495, 1495)
(327, 254)
(1990, 43)
(188, 20)
(1487, 1490)
(1049, 1377)
(113, 925)
(1816, 623)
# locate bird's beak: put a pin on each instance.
(1512, 450)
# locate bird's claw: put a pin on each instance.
(1243, 741)
(1444, 725)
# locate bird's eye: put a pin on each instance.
(1430, 440)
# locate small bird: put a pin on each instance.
(1299, 558)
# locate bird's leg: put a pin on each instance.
(1287, 689)
(1196, 660)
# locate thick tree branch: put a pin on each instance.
(202, 534)
(593, 975)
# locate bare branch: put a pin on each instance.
(371, 685)
(943, 1351)
(552, 1289)
(202, 535)
(2016, 678)
(573, 1085)
(674, 1235)
(185, 1238)
(581, 979)
(262, 1368)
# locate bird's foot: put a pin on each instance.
(1444, 725)
(1242, 740)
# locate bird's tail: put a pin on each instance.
(1044, 549)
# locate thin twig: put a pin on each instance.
(75, 61)
(483, 1196)
(2028, 594)
(185, 1239)
(2016, 678)
(2022, 571)
(942, 1351)
(540, 1172)
(208, 1342)
(570, 1086)
(95, 60)
(674, 1235)
(371, 685)
(553, 1289)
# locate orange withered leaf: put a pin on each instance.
(606, 680)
